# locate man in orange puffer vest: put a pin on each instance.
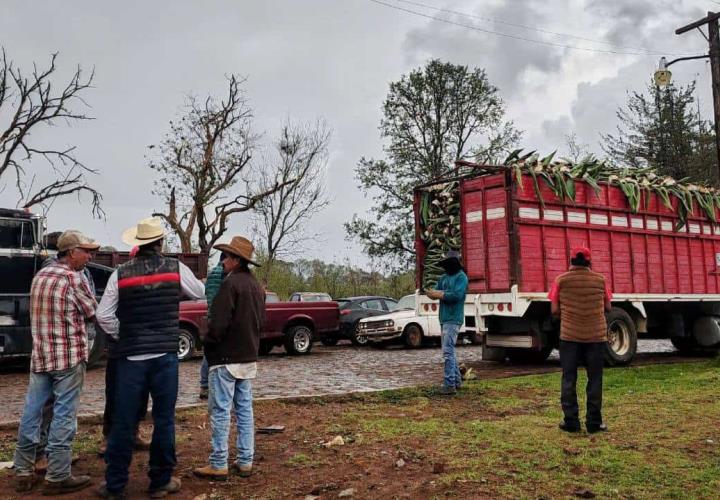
(580, 298)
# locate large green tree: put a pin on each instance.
(432, 117)
(663, 128)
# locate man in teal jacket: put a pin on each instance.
(450, 291)
(212, 285)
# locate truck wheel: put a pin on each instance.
(413, 336)
(186, 344)
(265, 348)
(529, 356)
(622, 338)
(356, 338)
(96, 347)
(299, 340)
(329, 341)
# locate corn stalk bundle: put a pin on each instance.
(560, 176)
(440, 227)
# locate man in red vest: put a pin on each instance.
(580, 298)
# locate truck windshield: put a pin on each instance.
(16, 234)
(407, 302)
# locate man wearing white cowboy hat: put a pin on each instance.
(231, 349)
(140, 308)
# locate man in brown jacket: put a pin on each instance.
(580, 298)
(231, 350)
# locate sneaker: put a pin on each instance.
(203, 393)
(103, 492)
(564, 426)
(173, 486)
(244, 470)
(448, 391)
(24, 483)
(592, 429)
(67, 485)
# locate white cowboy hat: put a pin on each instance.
(146, 231)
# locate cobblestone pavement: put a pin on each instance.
(327, 370)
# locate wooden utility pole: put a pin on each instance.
(713, 39)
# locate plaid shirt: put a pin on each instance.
(60, 304)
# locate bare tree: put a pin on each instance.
(576, 150)
(297, 163)
(205, 163)
(27, 103)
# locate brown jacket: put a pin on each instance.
(238, 314)
(582, 297)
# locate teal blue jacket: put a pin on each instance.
(452, 305)
(212, 284)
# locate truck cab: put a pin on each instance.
(22, 253)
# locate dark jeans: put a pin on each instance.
(159, 376)
(110, 381)
(592, 356)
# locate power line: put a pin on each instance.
(533, 28)
(516, 37)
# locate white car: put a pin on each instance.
(404, 324)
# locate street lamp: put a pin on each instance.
(662, 74)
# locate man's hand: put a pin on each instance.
(435, 294)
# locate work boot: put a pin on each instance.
(67, 485)
(564, 426)
(204, 393)
(24, 483)
(209, 472)
(173, 486)
(448, 391)
(592, 429)
(244, 470)
(103, 492)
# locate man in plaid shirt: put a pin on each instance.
(60, 305)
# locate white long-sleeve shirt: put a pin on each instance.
(105, 314)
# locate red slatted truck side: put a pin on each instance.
(665, 279)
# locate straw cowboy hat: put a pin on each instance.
(240, 247)
(146, 231)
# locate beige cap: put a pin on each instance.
(75, 239)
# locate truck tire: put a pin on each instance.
(413, 336)
(96, 348)
(622, 338)
(299, 340)
(186, 344)
(529, 356)
(355, 337)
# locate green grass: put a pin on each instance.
(502, 434)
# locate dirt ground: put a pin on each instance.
(396, 444)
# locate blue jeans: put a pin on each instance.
(65, 386)
(159, 377)
(227, 392)
(449, 336)
(204, 374)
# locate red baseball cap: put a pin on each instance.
(584, 251)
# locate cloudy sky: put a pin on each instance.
(333, 59)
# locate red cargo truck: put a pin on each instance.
(665, 279)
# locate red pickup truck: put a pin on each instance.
(294, 325)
